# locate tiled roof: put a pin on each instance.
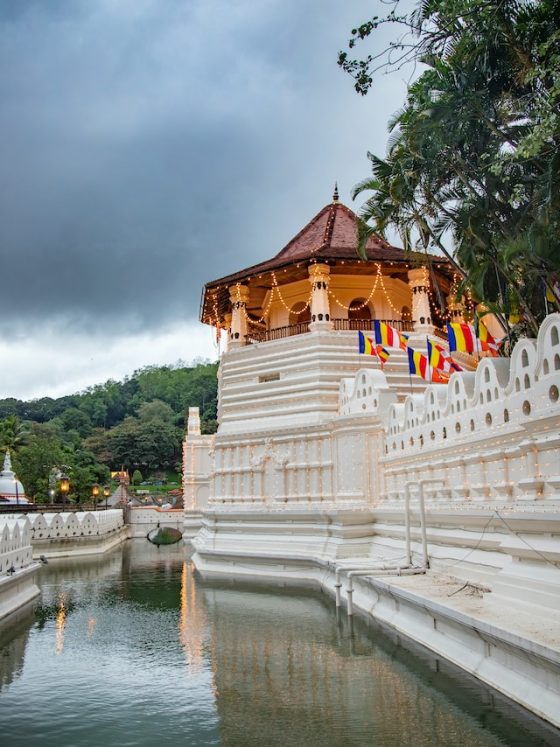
(331, 234)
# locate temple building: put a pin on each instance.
(292, 324)
(292, 321)
(331, 468)
(317, 282)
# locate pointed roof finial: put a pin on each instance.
(335, 193)
(7, 463)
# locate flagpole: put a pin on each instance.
(476, 328)
(429, 362)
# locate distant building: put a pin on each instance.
(11, 489)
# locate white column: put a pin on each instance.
(319, 277)
(239, 295)
(193, 423)
(419, 282)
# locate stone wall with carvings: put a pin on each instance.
(489, 435)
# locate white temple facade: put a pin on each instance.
(292, 326)
(327, 466)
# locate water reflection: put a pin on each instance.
(139, 651)
(59, 626)
(308, 682)
(13, 643)
(192, 620)
(91, 623)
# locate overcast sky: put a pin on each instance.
(149, 146)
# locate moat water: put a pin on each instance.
(133, 649)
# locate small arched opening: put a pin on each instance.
(300, 315)
(359, 314)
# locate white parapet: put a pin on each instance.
(321, 457)
(65, 533)
(67, 525)
(488, 436)
(142, 519)
(17, 569)
(15, 543)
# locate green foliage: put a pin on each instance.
(13, 433)
(137, 423)
(137, 477)
(473, 160)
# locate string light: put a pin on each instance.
(362, 305)
(380, 277)
(274, 292)
(378, 284)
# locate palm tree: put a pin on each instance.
(13, 434)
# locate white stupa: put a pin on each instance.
(11, 489)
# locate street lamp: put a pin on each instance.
(106, 493)
(95, 493)
(64, 487)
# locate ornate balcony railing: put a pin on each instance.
(278, 333)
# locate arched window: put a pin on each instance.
(300, 313)
(359, 314)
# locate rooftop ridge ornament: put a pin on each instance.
(335, 193)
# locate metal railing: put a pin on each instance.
(26, 508)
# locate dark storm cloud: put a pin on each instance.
(147, 147)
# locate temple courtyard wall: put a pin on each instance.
(25, 539)
(437, 511)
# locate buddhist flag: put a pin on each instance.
(418, 364)
(382, 354)
(487, 342)
(388, 336)
(438, 359)
(368, 347)
(461, 337)
(439, 377)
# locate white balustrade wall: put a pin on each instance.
(491, 435)
(15, 543)
(66, 525)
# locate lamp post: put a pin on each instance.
(64, 487)
(94, 494)
(106, 493)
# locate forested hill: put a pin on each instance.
(139, 423)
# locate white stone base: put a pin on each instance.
(65, 547)
(17, 592)
(501, 637)
(192, 524)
